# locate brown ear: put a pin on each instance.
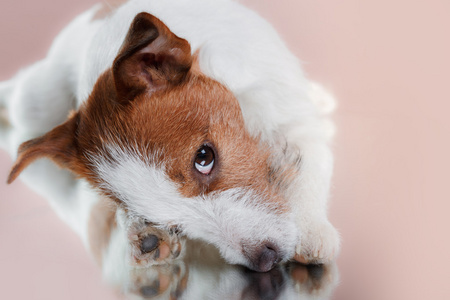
(57, 145)
(151, 58)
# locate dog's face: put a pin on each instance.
(171, 145)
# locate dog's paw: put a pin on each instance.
(150, 245)
(320, 243)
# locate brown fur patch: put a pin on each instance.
(172, 124)
(101, 223)
(58, 145)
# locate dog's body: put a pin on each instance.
(216, 80)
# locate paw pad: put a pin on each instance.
(149, 243)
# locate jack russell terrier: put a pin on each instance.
(166, 119)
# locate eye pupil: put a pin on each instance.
(204, 160)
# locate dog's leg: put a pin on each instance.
(319, 239)
(38, 99)
(126, 244)
(303, 170)
(41, 99)
(33, 102)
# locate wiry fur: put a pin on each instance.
(227, 219)
(282, 193)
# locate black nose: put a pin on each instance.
(266, 259)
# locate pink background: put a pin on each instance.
(387, 63)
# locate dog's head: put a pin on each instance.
(171, 144)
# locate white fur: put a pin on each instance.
(237, 48)
(115, 258)
(228, 219)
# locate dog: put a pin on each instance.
(166, 119)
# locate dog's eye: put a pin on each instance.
(204, 160)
